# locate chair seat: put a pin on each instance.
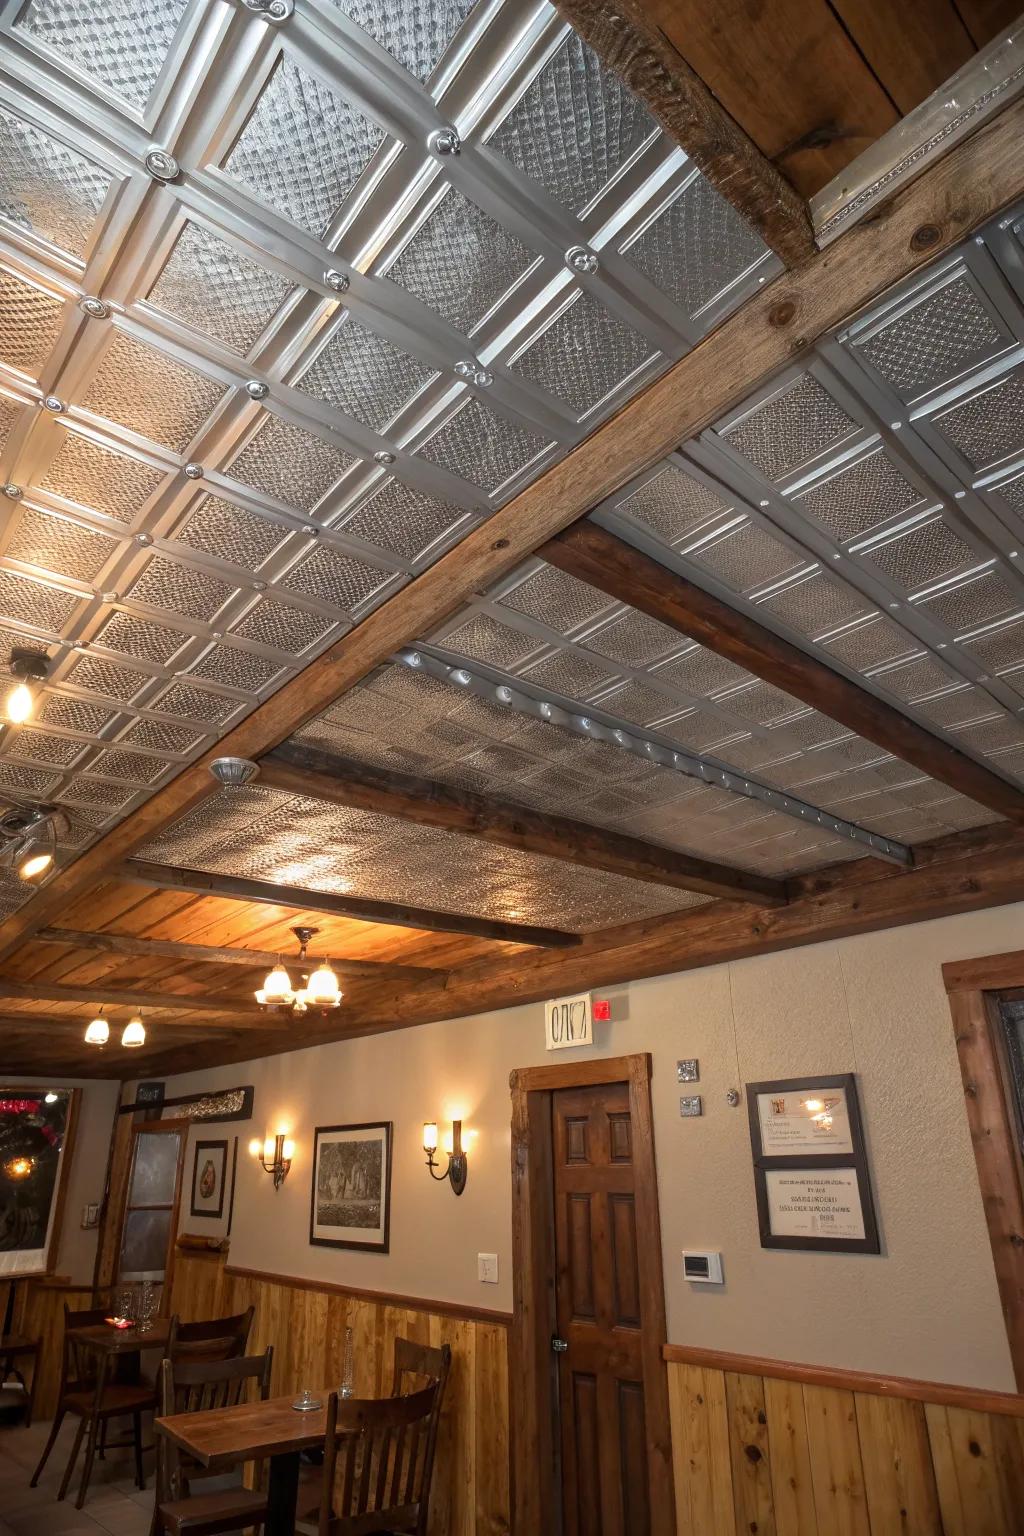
(14, 1344)
(117, 1398)
(208, 1513)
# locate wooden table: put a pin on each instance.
(105, 1339)
(222, 1437)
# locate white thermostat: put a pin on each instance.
(702, 1266)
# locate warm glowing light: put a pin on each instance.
(322, 990)
(813, 1106)
(269, 1148)
(430, 1136)
(134, 1033)
(277, 988)
(49, 1098)
(288, 1150)
(255, 1147)
(98, 1032)
(19, 1167)
(34, 865)
(19, 704)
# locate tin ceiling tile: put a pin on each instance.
(286, 462)
(815, 605)
(575, 127)
(213, 287)
(35, 781)
(47, 188)
(282, 625)
(31, 602)
(95, 477)
(151, 394)
(303, 148)
(637, 703)
(161, 736)
(402, 520)
(73, 714)
(30, 322)
(978, 601)
(358, 372)
(460, 262)
(701, 672)
(583, 355)
(97, 792)
(1003, 647)
(634, 639)
(870, 645)
(133, 766)
(9, 411)
(763, 703)
(746, 557)
(60, 545)
(990, 424)
(992, 735)
(481, 447)
(941, 335)
(195, 703)
(139, 637)
(416, 35)
(567, 673)
(560, 601)
(484, 639)
(182, 589)
(951, 710)
(98, 675)
(856, 499)
(673, 504)
(915, 679)
(227, 664)
(790, 428)
(39, 746)
(219, 528)
(331, 576)
(697, 247)
(924, 554)
(111, 40)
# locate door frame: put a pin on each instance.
(535, 1444)
(153, 1128)
(990, 1115)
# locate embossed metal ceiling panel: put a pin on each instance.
(248, 301)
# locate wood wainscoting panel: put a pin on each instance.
(39, 1314)
(764, 1450)
(306, 1323)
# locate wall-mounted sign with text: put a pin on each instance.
(567, 1022)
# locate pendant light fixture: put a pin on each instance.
(98, 1032)
(320, 991)
(134, 1032)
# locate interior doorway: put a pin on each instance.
(149, 1217)
(590, 1432)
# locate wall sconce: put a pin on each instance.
(458, 1168)
(275, 1156)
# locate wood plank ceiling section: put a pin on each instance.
(298, 371)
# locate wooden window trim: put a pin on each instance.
(152, 1128)
(536, 1492)
(970, 985)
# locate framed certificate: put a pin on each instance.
(810, 1165)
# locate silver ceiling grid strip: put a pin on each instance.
(287, 306)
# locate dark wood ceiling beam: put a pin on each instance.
(166, 877)
(212, 954)
(635, 48)
(594, 555)
(977, 178)
(41, 991)
(305, 770)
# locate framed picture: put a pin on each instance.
(811, 1174)
(36, 1131)
(209, 1170)
(350, 1205)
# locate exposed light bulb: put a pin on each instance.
(19, 1167)
(134, 1033)
(19, 704)
(49, 1098)
(35, 864)
(98, 1032)
(430, 1136)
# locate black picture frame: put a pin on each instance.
(325, 1136)
(855, 1161)
(209, 1147)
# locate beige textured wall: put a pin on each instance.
(76, 1250)
(927, 1307)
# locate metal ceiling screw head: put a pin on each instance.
(256, 389)
(465, 368)
(383, 458)
(94, 307)
(273, 10)
(143, 538)
(193, 471)
(581, 260)
(161, 165)
(234, 772)
(13, 491)
(54, 403)
(444, 141)
(336, 280)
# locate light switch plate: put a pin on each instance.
(487, 1268)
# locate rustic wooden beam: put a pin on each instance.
(636, 49)
(211, 954)
(963, 189)
(200, 883)
(305, 770)
(41, 991)
(594, 555)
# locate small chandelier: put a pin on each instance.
(320, 991)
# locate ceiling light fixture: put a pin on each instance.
(29, 667)
(28, 838)
(321, 989)
(98, 1032)
(134, 1033)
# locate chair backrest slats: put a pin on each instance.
(377, 1442)
(194, 1386)
(214, 1338)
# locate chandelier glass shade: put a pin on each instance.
(98, 1032)
(320, 990)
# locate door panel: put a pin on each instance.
(598, 1314)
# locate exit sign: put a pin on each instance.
(567, 1022)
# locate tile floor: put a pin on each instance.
(113, 1504)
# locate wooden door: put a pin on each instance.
(599, 1315)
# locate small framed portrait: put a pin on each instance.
(209, 1170)
(350, 1206)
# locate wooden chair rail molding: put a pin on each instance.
(972, 1399)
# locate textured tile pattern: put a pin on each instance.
(47, 188)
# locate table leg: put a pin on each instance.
(282, 1492)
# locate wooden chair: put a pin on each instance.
(17, 1351)
(375, 1475)
(218, 1338)
(417, 1365)
(89, 1390)
(195, 1386)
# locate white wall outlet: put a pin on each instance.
(487, 1268)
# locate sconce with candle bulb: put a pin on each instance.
(275, 1155)
(457, 1170)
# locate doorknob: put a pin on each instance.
(558, 1345)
